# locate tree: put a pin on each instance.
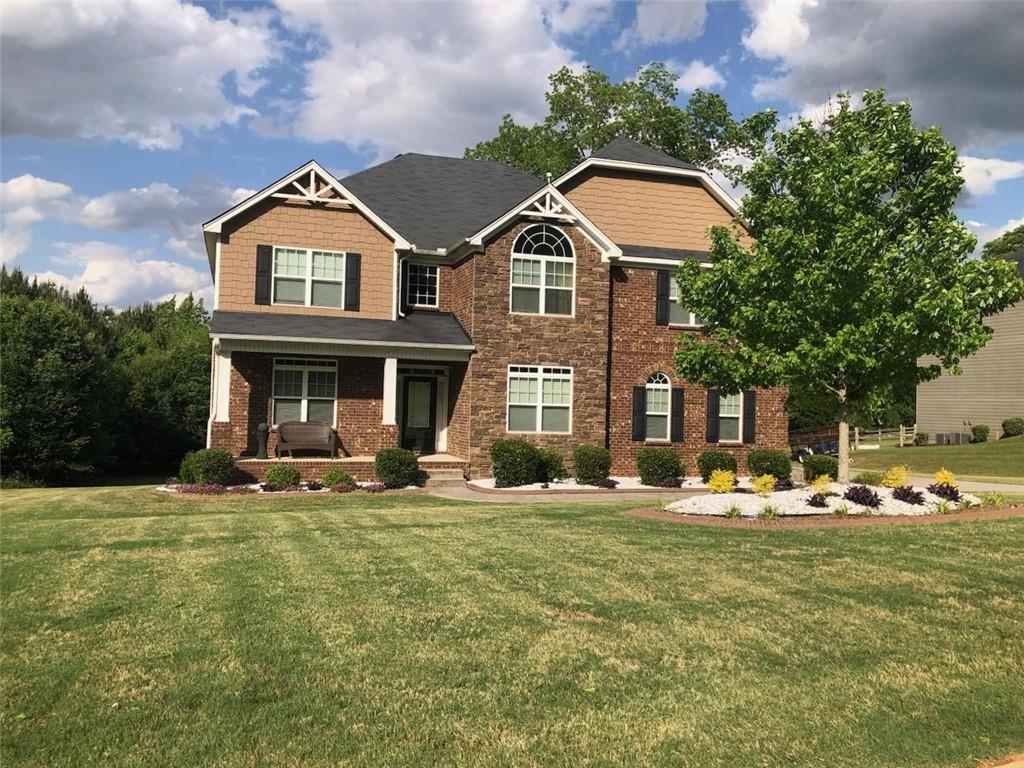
(587, 110)
(857, 268)
(1004, 245)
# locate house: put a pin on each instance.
(991, 387)
(441, 304)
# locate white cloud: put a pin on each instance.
(133, 71)
(664, 21)
(984, 232)
(981, 174)
(25, 200)
(118, 276)
(698, 74)
(910, 49)
(572, 17)
(421, 77)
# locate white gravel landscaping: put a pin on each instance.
(569, 484)
(789, 503)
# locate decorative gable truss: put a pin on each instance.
(548, 204)
(315, 190)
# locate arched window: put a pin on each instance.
(658, 406)
(543, 271)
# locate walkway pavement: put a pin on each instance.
(972, 486)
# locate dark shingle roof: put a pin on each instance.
(433, 202)
(417, 328)
(669, 254)
(629, 151)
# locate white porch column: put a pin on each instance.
(390, 390)
(221, 384)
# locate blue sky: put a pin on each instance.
(125, 125)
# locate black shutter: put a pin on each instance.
(713, 415)
(749, 415)
(639, 413)
(403, 288)
(264, 264)
(352, 262)
(677, 415)
(661, 313)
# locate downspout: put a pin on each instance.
(608, 359)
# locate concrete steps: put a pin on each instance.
(445, 478)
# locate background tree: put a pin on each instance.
(858, 267)
(586, 111)
(1004, 245)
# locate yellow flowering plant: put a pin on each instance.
(897, 477)
(763, 484)
(722, 481)
(945, 477)
(822, 484)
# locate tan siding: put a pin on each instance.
(649, 210)
(990, 389)
(302, 226)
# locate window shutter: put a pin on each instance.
(352, 262)
(712, 415)
(639, 413)
(403, 290)
(264, 265)
(749, 415)
(661, 313)
(677, 414)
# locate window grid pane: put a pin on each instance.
(657, 400)
(304, 386)
(554, 419)
(321, 384)
(525, 272)
(422, 285)
(327, 265)
(557, 301)
(559, 274)
(287, 383)
(729, 405)
(289, 261)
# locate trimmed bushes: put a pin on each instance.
(921, 438)
(281, 476)
(815, 466)
(657, 465)
(338, 476)
(514, 462)
(709, 461)
(766, 461)
(396, 467)
(1013, 427)
(592, 464)
(207, 466)
(979, 433)
(550, 465)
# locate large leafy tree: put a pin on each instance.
(1006, 244)
(856, 270)
(587, 110)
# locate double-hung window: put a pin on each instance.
(730, 416)
(543, 272)
(679, 315)
(658, 406)
(305, 390)
(539, 399)
(311, 278)
(421, 285)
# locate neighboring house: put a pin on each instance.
(441, 304)
(991, 387)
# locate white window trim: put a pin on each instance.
(543, 260)
(667, 413)
(308, 301)
(739, 420)
(305, 365)
(540, 373)
(437, 286)
(673, 298)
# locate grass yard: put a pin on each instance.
(996, 460)
(405, 630)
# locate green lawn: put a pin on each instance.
(404, 630)
(997, 460)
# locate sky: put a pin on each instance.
(124, 125)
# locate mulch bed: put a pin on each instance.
(824, 521)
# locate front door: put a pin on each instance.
(419, 413)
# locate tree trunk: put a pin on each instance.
(844, 438)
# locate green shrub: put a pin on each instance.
(592, 464)
(281, 476)
(815, 466)
(979, 433)
(1013, 427)
(18, 480)
(550, 465)
(867, 477)
(514, 462)
(766, 461)
(209, 465)
(921, 438)
(709, 461)
(396, 467)
(336, 475)
(656, 465)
